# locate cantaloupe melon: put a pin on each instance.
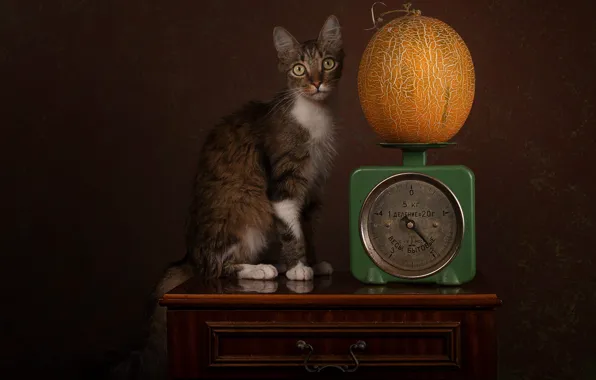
(416, 81)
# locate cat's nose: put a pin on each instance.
(316, 84)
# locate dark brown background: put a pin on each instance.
(104, 106)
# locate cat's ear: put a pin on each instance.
(284, 42)
(330, 33)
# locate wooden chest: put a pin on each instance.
(334, 325)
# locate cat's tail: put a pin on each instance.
(150, 362)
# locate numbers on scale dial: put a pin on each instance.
(413, 224)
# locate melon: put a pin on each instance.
(416, 81)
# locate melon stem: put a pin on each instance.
(377, 20)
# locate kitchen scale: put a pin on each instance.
(412, 223)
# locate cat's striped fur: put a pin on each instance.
(259, 180)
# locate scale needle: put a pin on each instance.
(410, 224)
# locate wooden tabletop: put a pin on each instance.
(337, 290)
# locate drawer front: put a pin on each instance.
(241, 344)
(295, 344)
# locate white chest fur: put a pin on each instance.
(314, 117)
(318, 121)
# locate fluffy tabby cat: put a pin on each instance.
(259, 181)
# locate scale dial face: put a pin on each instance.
(411, 225)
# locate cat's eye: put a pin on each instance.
(299, 70)
(328, 63)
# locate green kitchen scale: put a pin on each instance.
(412, 223)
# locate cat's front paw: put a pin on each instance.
(257, 272)
(322, 269)
(300, 273)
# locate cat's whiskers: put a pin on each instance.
(286, 98)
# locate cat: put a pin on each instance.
(262, 169)
(259, 182)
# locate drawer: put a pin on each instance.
(347, 345)
(299, 344)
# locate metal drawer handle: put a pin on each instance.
(361, 345)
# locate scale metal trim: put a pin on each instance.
(365, 235)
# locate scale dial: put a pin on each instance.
(411, 225)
